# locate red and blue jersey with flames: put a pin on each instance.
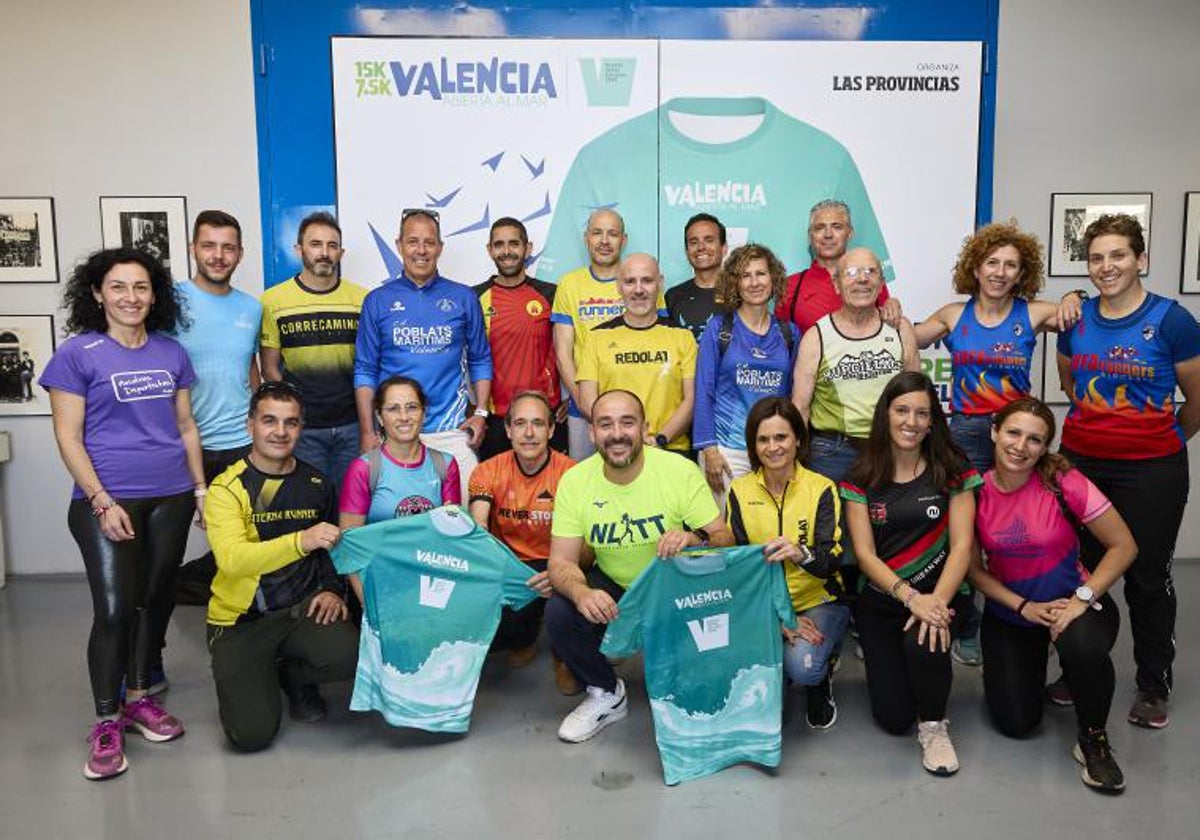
(990, 365)
(1123, 395)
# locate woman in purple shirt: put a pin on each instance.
(123, 423)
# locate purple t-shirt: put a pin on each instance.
(129, 428)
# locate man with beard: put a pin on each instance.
(222, 342)
(587, 297)
(309, 324)
(691, 303)
(626, 505)
(516, 313)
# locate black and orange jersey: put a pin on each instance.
(519, 331)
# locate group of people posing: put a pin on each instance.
(744, 406)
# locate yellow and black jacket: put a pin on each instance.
(254, 524)
(808, 513)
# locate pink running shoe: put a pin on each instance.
(149, 718)
(106, 757)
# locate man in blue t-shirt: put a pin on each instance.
(430, 328)
(222, 342)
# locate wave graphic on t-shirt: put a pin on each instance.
(437, 697)
(746, 728)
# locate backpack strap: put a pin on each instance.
(790, 307)
(374, 465)
(439, 461)
(1069, 514)
(724, 335)
(789, 335)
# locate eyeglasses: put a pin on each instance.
(278, 387)
(408, 212)
(870, 272)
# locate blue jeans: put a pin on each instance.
(806, 664)
(973, 432)
(831, 454)
(329, 450)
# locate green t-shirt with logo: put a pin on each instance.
(433, 586)
(657, 178)
(709, 623)
(622, 522)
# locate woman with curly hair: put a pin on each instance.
(910, 516)
(1030, 510)
(745, 354)
(123, 422)
(991, 336)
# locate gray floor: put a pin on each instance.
(353, 776)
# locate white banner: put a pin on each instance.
(752, 132)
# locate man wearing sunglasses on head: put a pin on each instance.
(430, 328)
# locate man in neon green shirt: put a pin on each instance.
(625, 505)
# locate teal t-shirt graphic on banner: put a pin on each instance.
(433, 585)
(761, 185)
(709, 622)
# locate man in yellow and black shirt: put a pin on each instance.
(277, 614)
(309, 324)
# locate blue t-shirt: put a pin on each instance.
(434, 334)
(727, 387)
(990, 364)
(710, 625)
(433, 585)
(221, 342)
(129, 426)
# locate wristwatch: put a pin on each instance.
(1084, 593)
(661, 441)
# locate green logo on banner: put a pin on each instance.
(608, 81)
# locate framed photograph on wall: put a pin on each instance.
(1052, 392)
(28, 252)
(1071, 213)
(154, 224)
(1189, 277)
(26, 345)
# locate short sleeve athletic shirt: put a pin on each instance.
(652, 362)
(761, 183)
(810, 296)
(314, 332)
(690, 306)
(622, 522)
(221, 341)
(129, 427)
(402, 489)
(1031, 547)
(990, 365)
(709, 622)
(1123, 402)
(728, 385)
(911, 525)
(519, 331)
(522, 506)
(851, 376)
(433, 586)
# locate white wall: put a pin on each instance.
(123, 97)
(151, 98)
(1103, 96)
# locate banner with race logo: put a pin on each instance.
(753, 132)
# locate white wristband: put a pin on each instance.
(482, 412)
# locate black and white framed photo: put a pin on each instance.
(28, 253)
(1189, 277)
(1071, 213)
(26, 345)
(154, 224)
(1052, 391)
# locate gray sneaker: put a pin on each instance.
(937, 750)
(1150, 711)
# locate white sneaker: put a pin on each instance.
(598, 710)
(938, 754)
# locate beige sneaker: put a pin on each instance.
(937, 750)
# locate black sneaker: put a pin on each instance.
(1058, 694)
(822, 711)
(1100, 771)
(305, 704)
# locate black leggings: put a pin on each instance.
(905, 682)
(1015, 670)
(1150, 495)
(128, 580)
